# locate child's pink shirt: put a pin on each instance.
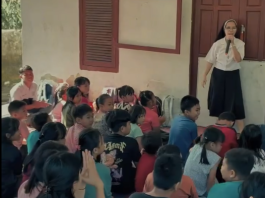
(151, 121)
(34, 194)
(72, 137)
(57, 112)
(24, 132)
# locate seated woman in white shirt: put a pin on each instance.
(251, 139)
(59, 101)
(225, 93)
(26, 91)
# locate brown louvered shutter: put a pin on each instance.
(98, 34)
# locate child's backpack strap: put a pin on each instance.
(167, 109)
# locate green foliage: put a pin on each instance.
(11, 14)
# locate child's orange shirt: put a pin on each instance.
(186, 188)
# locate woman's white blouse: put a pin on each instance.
(220, 60)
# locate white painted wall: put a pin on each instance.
(51, 45)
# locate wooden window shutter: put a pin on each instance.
(98, 35)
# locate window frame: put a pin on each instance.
(115, 29)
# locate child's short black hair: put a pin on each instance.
(15, 106)
(25, 68)
(151, 142)
(241, 161)
(9, 127)
(38, 120)
(116, 119)
(81, 81)
(136, 111)
(187, 102)
(253, 186)
(125, 91)
(81, 110)
(168, 149)
(167, 171)
(229, 116)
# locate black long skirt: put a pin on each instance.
(225, 93)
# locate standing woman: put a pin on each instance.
(225, 93)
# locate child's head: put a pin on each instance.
(137, 113)
(17, 109)
(74, 95)
(10, 130)
(190, 107)
(54, 131)
(93, 141)
(227, 118)
(26, 74)
(119, 121)
(105, 103)
(168, 149)
(60, 93)
(151, 142)
(212, 140)
(60, 172)
(167, 172)
(251, 138)
(237, 164)
(83, 84)
(253, 186)
(39, 120)
(147, 99)
(83, 115)
(126, 93)
(43, 152)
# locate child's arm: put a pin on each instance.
(212, 176)
(107, 184)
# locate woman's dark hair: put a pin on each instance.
(253, 186)
(9, 126)
(60, 91)
(125, 91)
(38, 120)
(135, 112)
(43, 152)
(60, 171)
(251, 138)
(145, 97)
(71, 93)
(211, 134)
(50, 131)
(221, 33)
(116, 119)
(90, 139)
(101, 100)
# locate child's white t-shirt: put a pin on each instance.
(259, 165)
(199, 172)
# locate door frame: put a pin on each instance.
(194, 56)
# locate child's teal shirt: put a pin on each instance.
(104, 174)
(32, 139)
(227, 190)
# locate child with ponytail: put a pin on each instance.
(204, 160)
(92, 140)
(104, 104)
(73, 99)
(60, 98)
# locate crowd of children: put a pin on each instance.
(116, 150)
